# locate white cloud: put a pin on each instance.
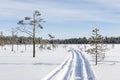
(58, 10)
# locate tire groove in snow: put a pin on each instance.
(90, 74)
(69, 71)
(54, 72)
(75, 67)
(78, 67)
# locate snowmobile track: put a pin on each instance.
(75, 67)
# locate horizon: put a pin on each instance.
(74, 19)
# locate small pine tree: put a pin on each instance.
(1, 39)
(97, 46)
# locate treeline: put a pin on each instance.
(29, 40)
(84, 40)
(18, 40)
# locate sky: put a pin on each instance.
(64, 18)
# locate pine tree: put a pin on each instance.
(97, 46)
(1, 39)
(33, 21)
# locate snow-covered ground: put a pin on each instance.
(109, 68)
(60, 64)
(19, 65)
(75, 67)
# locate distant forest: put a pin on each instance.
(29, 40)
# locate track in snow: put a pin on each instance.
(75, 67)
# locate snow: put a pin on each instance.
(109, 69)
(19, 65)
(75, 67)
(58, 64)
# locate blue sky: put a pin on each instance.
(64, 18)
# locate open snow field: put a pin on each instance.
(109, 68)
(60, 64)
(19, 65)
